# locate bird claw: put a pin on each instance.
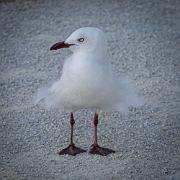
(71, 150)
(96, 149)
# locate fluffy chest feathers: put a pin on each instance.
(84, 72)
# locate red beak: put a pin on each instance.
(60, 45)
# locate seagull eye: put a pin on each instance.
(81, 39)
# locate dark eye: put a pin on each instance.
(81, 39)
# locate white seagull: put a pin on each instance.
(87, 81)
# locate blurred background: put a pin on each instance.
(143, 42)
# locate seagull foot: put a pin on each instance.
(71, 150)
(96, 149)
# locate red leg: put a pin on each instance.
(72, 122)
(95, 148)
(95, 122)
(71, 149)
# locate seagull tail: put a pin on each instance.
(41, 95)
(128, 96)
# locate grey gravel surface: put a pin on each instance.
(144, 41)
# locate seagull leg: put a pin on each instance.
(71, 149)
(95, 148)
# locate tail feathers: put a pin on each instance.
(128, 96)
(41, 95)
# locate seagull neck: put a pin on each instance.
(90, 54)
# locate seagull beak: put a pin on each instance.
(60, 45)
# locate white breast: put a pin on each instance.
(84, 82)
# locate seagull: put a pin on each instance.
(87, 81)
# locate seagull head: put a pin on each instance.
(86, 39)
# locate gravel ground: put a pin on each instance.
(144, 41)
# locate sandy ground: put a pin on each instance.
(144, 41)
